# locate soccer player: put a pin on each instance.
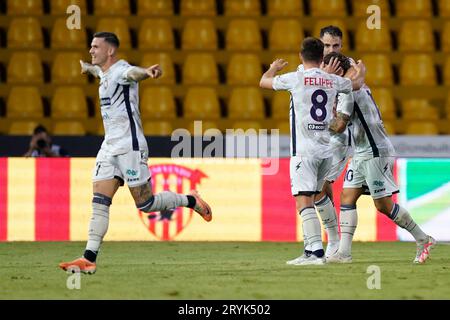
(313, 92)
(370, 168)
(124, 153)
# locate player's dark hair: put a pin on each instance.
(40, 128)
(312, 50)
(343, 60)
(332, 31)
(109, 37)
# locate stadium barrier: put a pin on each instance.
(50, 200)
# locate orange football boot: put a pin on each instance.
(201, 207)
(79, 265)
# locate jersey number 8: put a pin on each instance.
(318, 110)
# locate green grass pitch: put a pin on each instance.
(219, 270)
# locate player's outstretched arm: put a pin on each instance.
(358, 76)
(138, 74)
(89, 68)
(266, 81)
(339, 123)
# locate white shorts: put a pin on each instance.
(131, 167)
(340, 159)
(308, 175)
(375, 174)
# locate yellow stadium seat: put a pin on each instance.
(413, 8)
(249, 127)
(112, 7)
(59, 7)
(25, 33)
(244, 69)
(197, 129)
(158, 103)
(281, 40)
(447, 72)
(360, 7)
(22, 128)
(25, 68)
(200, 68)
(243, 34)
(389, 126)
(201, 103)
(416, 35)
(293, 60)
(282, 8)
(422, 128)
(333, 22)
(328, 8)
(119, 26)
(190, 8)
(379, 70)
(418, 70)
(157, 128)
(157, 8)
(25, 7)
(69, 102)
(280, 105)
(66, 69)
(385, 102)
(24, 102)
(63, 38)
(419, 109)
(445, 37)
(156, 34)
(166, 63)
(284, 127)
(199, 34)
(242, 8)
(246, 103)
(376, 40)
(444, 8)
(68, 128)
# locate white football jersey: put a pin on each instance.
(119, 101)
(313, 93)
(370, 137)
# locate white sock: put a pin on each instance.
(99, 222)
(311, 227)
(348, 223)
(327, 213)
(403, 219)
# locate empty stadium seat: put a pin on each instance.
(418, 109)
(70, 103)
(360, 7)
(200, 68)
(293, 60)
(446, 72)
(243, 8)
(328, 8)
(201, 103)
(444, 8)
(190, 8)
(413, 8)
(157, 128)
(119, 26)
(156, 8)
(22, 128)
(379, 70)
(445, 37)
(280, 105)
(286, 34)
(199, 34)
(376, 40)
(416, 35)
(197, 129)
(157, 103)
(111, 7)
(166, 63)
(25, 7)
(66, 69)
(244, 69)
(282, 8)
(24, 102)
(25, 33)
(284, 127)
(418, 70)
(385, 102)
(422, 128)
(25, 68)
(64, 38)
(59, 7)
(243, 34)
(68, 128)
(249, 127)
(389, 126)
(246, 104)
(156, 34)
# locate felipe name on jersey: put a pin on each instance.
(318, 82)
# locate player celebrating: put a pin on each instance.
(124, 152)
(313, 92)
(372, 168)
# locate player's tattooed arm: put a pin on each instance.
(89, 68)
(138, 74)
(339, 123)
(266, 81)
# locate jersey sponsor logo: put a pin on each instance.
(316, 127)
(105, 102)
(131, 172)
(168, 224)
(378, 183)
(379, 190)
